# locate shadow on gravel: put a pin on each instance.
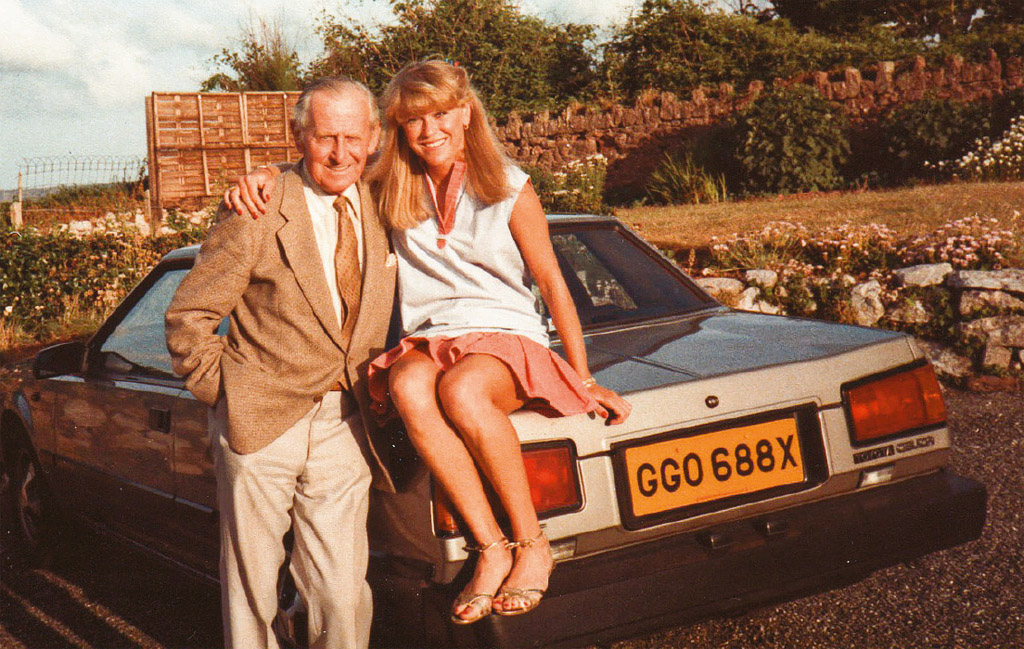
(97, 593)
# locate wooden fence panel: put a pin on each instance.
(200, 142)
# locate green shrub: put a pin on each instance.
(42, 274)
(1005, 108)
(791, 140)
(579, 188)
(1005, 40)
(931, 129)
(678, 180)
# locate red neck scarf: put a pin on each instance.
(446, 218)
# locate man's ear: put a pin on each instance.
(374, 138)
(296, 137)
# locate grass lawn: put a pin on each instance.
(910, 211)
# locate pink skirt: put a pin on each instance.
(547, 383)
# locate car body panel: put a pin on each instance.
(106, 446)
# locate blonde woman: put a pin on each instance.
(470, 234)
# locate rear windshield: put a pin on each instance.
(616, 278)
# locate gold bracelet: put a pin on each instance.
(589, 382)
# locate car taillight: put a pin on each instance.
(554, 485)
(894, 404)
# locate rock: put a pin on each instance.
(1003, 330)
(909, 312)
(971, 301)
(994, 384)
(142, 225)
(947, 363)
(1009, 279)
(724, 289)
(762, 277)
(923, 275)
(80, 228)
(866, 301)
(997, 356)
(748, 301)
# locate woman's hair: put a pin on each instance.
(420, 88)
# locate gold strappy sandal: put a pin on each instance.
(533, 596)
(480, 602)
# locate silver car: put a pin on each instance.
(766, 456)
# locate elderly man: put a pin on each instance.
(308, 291)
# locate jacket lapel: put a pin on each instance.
(300, 249)
(375, 246)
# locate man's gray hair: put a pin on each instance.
(335, 86)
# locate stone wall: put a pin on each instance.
(987, 348)
(633, 138)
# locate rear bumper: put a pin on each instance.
(692, 576)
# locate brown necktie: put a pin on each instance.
(346, 269)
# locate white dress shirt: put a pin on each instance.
(325, 229)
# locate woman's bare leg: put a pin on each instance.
(477, 395)
(413, 382)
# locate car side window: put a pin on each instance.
(137, 344)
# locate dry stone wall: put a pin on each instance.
(633, 138)
(989, 315)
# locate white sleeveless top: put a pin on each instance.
(477, 282)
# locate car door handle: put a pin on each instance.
(160, 420)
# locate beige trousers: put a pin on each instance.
(314, 479)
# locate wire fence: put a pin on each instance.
(59, 189)
(42, 173)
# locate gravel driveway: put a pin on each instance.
(971, 597)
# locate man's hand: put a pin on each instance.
(252, 191)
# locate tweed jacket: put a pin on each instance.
(283, 350)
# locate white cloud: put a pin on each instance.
(28, 44)
(170, 26)
(591, 12)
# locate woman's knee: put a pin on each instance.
(468, 401)
(459, 392)
(413, 386)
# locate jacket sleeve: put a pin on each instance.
(210, 291)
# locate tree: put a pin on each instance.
(517, 62)
(265, 61)
(677, 45)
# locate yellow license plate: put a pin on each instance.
(690, 470)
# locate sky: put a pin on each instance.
(74, 74)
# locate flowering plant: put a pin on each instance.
(1000, 159)
(579, 187)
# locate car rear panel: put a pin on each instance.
(809, 387)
